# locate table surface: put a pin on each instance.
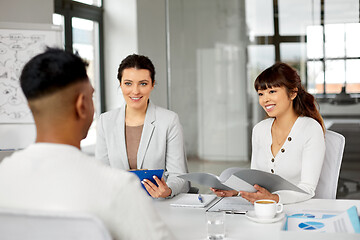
(190, 223)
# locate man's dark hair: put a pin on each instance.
(138, 62)
(51, 71)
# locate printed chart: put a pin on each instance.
(311, 225)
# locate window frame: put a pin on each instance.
(277, 39)
(69, 9)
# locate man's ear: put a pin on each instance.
(80, 107)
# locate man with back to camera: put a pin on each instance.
(53, 174)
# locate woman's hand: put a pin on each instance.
(261, 193)
(160, 191)
(224, 193)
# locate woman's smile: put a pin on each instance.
(269, 107)
(136, 86)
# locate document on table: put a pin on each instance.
(346, 222)
(192, 200)
(232, 205)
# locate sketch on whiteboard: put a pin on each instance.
(16, 48)
(12, 101)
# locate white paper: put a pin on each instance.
(191, 200)
(239, 184)
(241, 180)
(232, 205)
(228, 173)
(346, 222)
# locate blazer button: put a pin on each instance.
(272, 170)
(272, 160)
(289, 139)
(283, 150)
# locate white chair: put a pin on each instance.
(327, 185)
(33, 225)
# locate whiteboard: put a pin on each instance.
(19, 43)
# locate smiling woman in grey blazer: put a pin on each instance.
(141, 135)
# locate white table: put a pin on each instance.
(190, 223)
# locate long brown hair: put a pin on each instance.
(282, 75)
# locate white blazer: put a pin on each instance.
(161, 144)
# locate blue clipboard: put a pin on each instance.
(148, 174)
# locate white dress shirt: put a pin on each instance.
(299, 160)
(57, 177)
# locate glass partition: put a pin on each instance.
(208, 43)
(217, 48)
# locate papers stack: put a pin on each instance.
(346, 222)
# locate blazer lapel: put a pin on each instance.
(146, 135)
(120, 135)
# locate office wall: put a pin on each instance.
(197, 27)
(151, 30)
(25, 11)
(134, 27)
(208, 78)
(22, 11)
(120, 40)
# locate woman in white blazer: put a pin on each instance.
(141, 135)
(290, 143)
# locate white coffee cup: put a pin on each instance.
(267, 208)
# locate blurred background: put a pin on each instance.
(207, 54)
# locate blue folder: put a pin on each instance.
(148, 174)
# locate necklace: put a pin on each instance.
(280, 140)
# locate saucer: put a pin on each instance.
(251, 215)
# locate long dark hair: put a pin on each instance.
(282, 75)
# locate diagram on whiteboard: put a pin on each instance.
(16, 48)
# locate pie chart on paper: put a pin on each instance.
(311, 225)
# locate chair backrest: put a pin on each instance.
(327, 185)
(30, 225)
(194, 190)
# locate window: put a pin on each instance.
(91, 2)
(319, 38)
(83, 34)
(337, 56)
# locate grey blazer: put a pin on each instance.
(161, 144)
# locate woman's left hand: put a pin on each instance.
(261, 193)
(160, 191)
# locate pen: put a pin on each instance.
(200, 198)
(234, 212)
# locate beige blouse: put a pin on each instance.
(132, 136)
